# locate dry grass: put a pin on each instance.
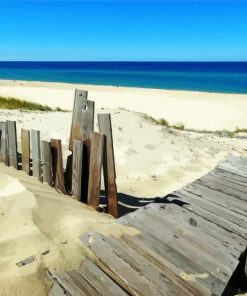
(13, 103)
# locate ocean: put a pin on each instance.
(223, 77)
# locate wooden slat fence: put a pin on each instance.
(90, 151)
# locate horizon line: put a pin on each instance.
(122, 61)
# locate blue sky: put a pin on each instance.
(123, 30)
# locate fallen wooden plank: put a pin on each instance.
(57, 164)
(3, 143)
(25, 150)
(36, 160)
(80, 103)
(95, 167)
(77, 169)
(46, 162)
(12, 144)
(109, 164)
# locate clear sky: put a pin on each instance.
(123, 30)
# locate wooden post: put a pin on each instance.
(25, 148)
(12, 144)
(80, 102)
(3, 143)
(57, 164)
(95, 167)
(36, 161)
(77, 169)
(87, 119)
(46, 162)
(109, 164)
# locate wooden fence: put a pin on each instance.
(90, 153)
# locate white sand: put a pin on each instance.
(196, 110)
(150, 161)
(35, 219)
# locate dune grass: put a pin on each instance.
(13, 103)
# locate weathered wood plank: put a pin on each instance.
(25, 150)
(36, 161)
(87, 119)
(109, 164)
(77, 169)
(215, 209)
(80, 103)
(95, 167)
(3, 143)
(46, 162)
(100, 280)
(187, 240)
(68, 284)
(220, 195)
(12, 144)
(174, 285)
(119, 270)
(57, 164)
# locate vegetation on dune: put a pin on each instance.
(13, 103)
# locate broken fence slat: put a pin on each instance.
(25, 148)
(12, 144)
(109, 164)
(57, 164)
(80, 102)
(95, 166)
(36, 160)
(77, 169)
(3, 143)
(46, 162)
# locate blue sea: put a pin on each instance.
(223, 77)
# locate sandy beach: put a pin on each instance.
(151, 161)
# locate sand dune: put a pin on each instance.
(41, 226)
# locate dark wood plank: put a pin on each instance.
(77, 169)
(25, 150)
(57, 164)
(95, 168)
(109, 164)
(3, 143)
(36, 160)
(12, 144)
(80, 103)
(46, 162)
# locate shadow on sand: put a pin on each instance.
(128, 203)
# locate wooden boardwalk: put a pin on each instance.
(189, 245)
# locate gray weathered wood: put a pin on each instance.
(36, 160)
(77, 169)
(25, 150)
(3, 143)
(12, 144)
(87, 119)
(57, 164)
(95, 168)
(109, 164)
(80, 103)
(46, 162)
